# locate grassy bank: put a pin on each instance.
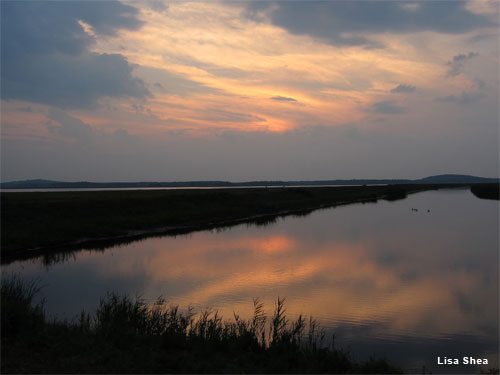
(40, 223)
(126, 336)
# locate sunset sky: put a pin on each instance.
(248, 90)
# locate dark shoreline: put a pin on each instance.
(486, 191)
(35, 224)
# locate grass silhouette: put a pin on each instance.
(130, 336)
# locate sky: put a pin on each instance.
(248, 90)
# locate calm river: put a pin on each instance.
(386, 279)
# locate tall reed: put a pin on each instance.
(128, 335)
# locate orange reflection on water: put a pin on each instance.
(394, 280)
(340, 281)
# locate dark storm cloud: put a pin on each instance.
(330, 20)
(46, 57)
(401, 88)
(458, 62)
(386, 107)
(70, 81)
(283, 99)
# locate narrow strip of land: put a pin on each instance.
(41, 223)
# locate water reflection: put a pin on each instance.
(411, 285)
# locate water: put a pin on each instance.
(387, 280)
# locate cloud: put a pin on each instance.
(483, 37)
(46, 54)
(84, 136)
(68, 126)
(386, 107)
(346, 22)
(171, 83)
(70, 82)
(283, 99)
(219, 115)
(409, 7)
(158, 6)
(458, 62)
(402, 88)
(25, 109)
(464, 98)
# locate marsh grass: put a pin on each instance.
(23, 314)
(127, 335)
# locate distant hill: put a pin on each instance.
(456, 179)
(49, 184)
